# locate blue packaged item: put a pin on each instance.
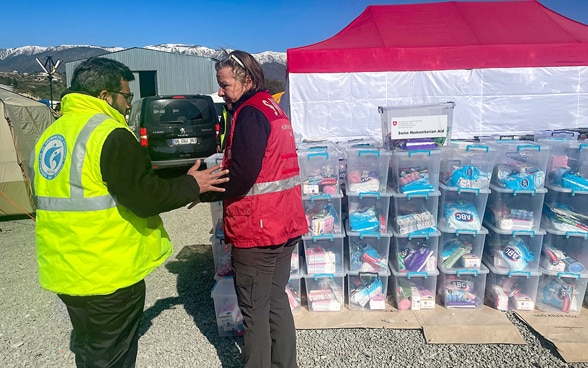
(462, 215)
(519, 176)
(364, 220)
(418, 186)
(516, 254)
(558, 294)
(468, 176)
(574, 181)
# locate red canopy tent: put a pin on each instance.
(426, 49)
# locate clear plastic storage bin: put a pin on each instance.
(416, 126)
(414, 213)
(323, 254)
(462, 208)
(415, 253)
(512, 290)
(565, 210)
(229, 319)
(295, 261)
(564, 252)
(567, 165)
(461, 248)
(515, 210)
(319, 170)
(367, 170)
(415, 171)
(561, 292)
(414, 290)
(368, 211)
(213, 160)
(221, 255)
(323, 213)
(462, 288)
(325, 292)
(368, 251)
(467, 165)
(518, 250)
(294, 292)
(367, 290)
(520, 165)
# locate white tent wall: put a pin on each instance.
(22, 121)
(341, 106)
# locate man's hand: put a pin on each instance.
(209, 179)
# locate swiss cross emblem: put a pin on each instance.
(394, 123)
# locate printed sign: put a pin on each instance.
(426, 126)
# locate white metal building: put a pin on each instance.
(162, 73)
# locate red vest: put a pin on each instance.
(271, 212)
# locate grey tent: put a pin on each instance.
(22, 120)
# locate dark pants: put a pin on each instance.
(261, 275)
(106, 327)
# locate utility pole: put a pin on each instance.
(49, 67)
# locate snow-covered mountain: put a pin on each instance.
(22, 59)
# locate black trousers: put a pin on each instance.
(106, 327)
(261, 275)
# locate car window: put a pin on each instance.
(193, 111)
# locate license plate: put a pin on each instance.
(191, 140)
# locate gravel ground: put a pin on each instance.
(179, 326)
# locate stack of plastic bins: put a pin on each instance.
(462, 288)
(517, 250)
(368, 211)
(467, 165)
(324, 272)
(216, 208)
(367, 170)
(228, 315)
(567, 166)
(462, 208)
(565, 210)
(414, 213)
(564, 268)
(512, 290)
(413, 290)
(460, 249)
(414, 171)
(520, 166)
(367, 269)
(415, 252)
(319, 169)
(323, 213)
(510, 210)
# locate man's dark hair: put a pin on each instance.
(96, 74)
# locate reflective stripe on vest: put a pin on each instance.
(274, 186)
(76, 201)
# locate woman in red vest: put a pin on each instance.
(263, 216)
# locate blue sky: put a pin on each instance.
(253, 26)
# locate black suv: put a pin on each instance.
(176, 130)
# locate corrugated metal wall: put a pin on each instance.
(176, 73)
